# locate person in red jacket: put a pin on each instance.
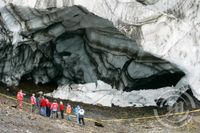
(62, 109)
(33, 102)
(43, 104)
(54, 109)
(48, 106)
(20, 98)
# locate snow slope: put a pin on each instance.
(103, 94)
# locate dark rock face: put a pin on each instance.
(147, 2)
(72, 45)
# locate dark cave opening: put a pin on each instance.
(31, 87)
(162, 79)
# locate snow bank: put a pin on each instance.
(103, 94)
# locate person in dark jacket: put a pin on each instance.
(81, 113)
(38, 99)
(62, 109)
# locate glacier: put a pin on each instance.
(166, 31)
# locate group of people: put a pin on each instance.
(51, 109)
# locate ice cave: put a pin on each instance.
(108, 52)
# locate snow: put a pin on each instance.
(103, 94)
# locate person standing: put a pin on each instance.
(76, 110)
(62, 109)
(54, 109)
(33, 102)
(48, 110)
(68, 111)
(43, 105)
(81, 116)
(20, 98)
(38, 100)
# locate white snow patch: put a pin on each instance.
(103, 94)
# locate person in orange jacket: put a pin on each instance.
(68, 111)
(33, 102)
(20, 98)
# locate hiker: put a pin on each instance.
(33, 102)
(20, 98)
(48, 106)
(68, 111)
(62, 110)
(38, 99)
(43, 105)
(81, 113)
(54, 109)
(76, 110)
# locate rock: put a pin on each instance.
(14, 106)
(32, 117)
(98, 124)
(147, 2)
(98, 104)
(161, 102)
